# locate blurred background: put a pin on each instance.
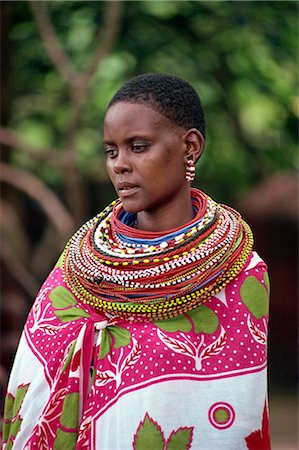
(61, 62)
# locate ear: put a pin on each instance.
(194, 144)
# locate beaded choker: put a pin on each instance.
(139, 275)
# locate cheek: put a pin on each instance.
(168, 162)
(173, 166)
(109, 170)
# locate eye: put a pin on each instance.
(139, 147)
(111, 152)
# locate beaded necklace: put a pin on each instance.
(140, 275)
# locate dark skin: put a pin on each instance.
(146, 158)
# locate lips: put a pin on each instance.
(126, 189)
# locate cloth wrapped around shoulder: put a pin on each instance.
(146, 340)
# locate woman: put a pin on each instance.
(151, 331)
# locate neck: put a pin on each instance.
(169, 216)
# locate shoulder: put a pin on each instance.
(249, 292)
(255, 262)
(253, 275)
(55, 309)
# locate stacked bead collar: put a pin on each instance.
(140, 275)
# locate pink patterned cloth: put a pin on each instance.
(82, 380)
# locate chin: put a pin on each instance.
(131, 206)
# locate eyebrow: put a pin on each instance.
(107, 142)
(127, 140)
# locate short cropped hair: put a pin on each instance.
(167, 94)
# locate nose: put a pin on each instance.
(122, 163)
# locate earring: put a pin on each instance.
(190, 170)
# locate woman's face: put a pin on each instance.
(145, 157)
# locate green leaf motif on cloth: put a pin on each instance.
(105, 344)
(180, 439)
(114, 336)
(65, 440)
(121, 336)
(150, 436)
(14, 429)
(62, 297)
(8, 414)
(267, 282)
(204, 319)
(63, 302)
(21, 392)
(69, 415)
(67, 315)
(69, 356)
(12, 418)
(180, 323)
(255, 297)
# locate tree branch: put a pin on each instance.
(13, 140)
(108, 35)
(74, 185)
(32, 186)
(79, 85)
(52, 43)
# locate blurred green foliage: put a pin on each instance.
(241, 56)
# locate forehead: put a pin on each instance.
(134, 118)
